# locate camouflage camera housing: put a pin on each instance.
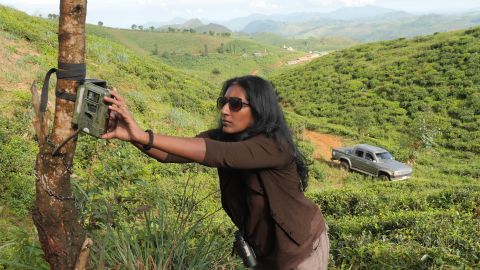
(91, 111)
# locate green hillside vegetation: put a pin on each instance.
(307, 44)
(419, 98)
(146, 215)
(381, 89)
(180, 42)
(212, 57)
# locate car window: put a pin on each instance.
(359, 153)
(369, 156)
(384, 155)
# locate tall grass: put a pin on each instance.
(166, 236)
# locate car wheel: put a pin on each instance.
(384, 177)
(344, 166)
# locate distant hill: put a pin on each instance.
(193, 23)
(356, 13)
(238, 24)
(387, 89)
(217, 28)
(349, 13)
(198, 26)
(373, 26)
(265, 26)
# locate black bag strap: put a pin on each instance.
(74, 72)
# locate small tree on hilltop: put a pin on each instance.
(134, 26)
(221, 49)
(423, 133)
(363, 118)
(100, 23)
(205, 50)
(155, 49)
(52, 16)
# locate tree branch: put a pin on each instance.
(84, 252)
(40, 120)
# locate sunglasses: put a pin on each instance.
(234, 104)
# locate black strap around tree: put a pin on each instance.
(74, 72)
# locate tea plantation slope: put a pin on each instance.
(383, 89)
(418, 98)
(214, 58)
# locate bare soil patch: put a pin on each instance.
(323, 144)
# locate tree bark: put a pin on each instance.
(55, 214)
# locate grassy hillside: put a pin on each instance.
(426, 87)
(214, 58)
(112, 181)
(392, 84)
(418, 98)
(180, 42)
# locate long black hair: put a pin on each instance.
(268, 119)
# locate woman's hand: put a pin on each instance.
(121, 124)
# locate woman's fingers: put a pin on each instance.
(108, 135)
(112, 123)
(116, 95)
(114, 101)
(124, 114)
(120, 111)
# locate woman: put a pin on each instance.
(259, 167)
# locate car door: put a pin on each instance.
(362, 163)
(370, 163)
(357, 160)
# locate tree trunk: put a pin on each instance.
(55, 214)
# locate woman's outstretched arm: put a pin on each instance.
(123, 126)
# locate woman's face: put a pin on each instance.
(236, 121)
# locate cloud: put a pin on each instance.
(263, 5)
(348, 3)
(195, 12)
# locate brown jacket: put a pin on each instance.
(260, 192)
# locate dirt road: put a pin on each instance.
(323, 144)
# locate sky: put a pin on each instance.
(124, 13)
